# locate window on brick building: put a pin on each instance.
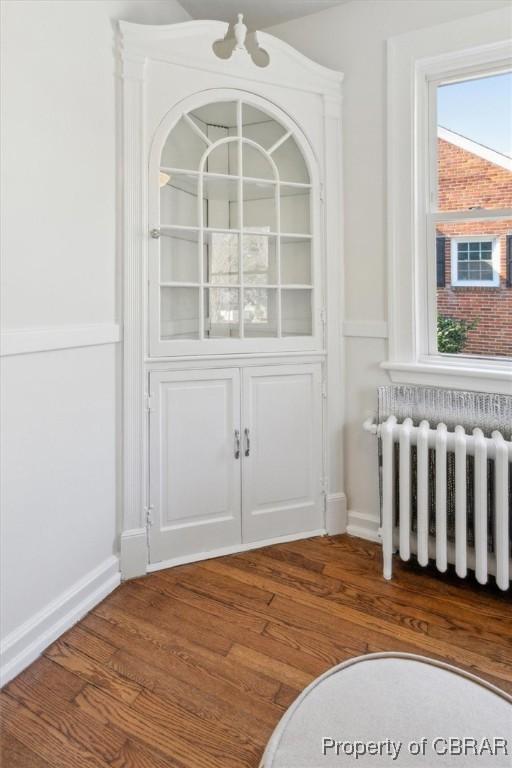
(475, 262)
(469, 223)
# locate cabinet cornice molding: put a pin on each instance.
(190, 45)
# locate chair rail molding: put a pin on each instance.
(366, 329)
(23, 341)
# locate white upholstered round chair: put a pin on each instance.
(395, 709)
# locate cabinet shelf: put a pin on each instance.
(247, 286)
(188, 232)
(187, 180)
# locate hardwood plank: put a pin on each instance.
(212, 663)
(295, 556)
(286, 695)
(135, 755)
(88, 644)
(366, 622)
(248, 619)
(92, 672)
(209, 627)
(285, 572)
(224, 738)
(260, 662)
(167, 619)
(241, 593)
(45, 672)
(343, 554)
(426, 584)
(67, 718)
(200, 702)
(14, 754)
(185, 737)
(328, 647)
(190, 673)
(47, 742)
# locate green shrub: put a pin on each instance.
(452, 333)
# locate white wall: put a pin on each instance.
(60, 406)
(351, 38)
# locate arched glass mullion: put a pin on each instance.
(241, 298)
(202, 229)
(277, 202)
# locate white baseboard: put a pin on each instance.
(134, 553)
(232, 550)
(336, 514)
(22, 646)
(363, 525)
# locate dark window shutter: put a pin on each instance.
(440, 258)
(509, 261)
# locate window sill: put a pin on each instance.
(471, 374)
(473, 286)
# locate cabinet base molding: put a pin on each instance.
(232, 550)
(336, 514)
(134, 553)
(22, 646)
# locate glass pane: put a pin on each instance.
(260, 266)
(295, 211)
(221, 258)
(255, 163)
(179, 257)
(260, 312)
(290, 162)
(179, 313)
(296, 312)
(474, 141)
(220, 209)
(221, 312)
(474, 305)
(295, 261)
(178, 199)
(183, 147)
(259, 205)
(260, 127)
(223, 159)
(219, 114)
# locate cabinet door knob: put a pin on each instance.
(247, 442)
(237, 444)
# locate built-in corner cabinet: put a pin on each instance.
(232, 251)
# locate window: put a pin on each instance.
(475, 262)
(469, 217)
(433, 78)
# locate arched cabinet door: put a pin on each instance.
(235, 253)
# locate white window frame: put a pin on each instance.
(495, 261)
(417, 61)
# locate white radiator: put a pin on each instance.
(430, 539)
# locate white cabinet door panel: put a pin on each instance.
(195, 475)
(282, 411)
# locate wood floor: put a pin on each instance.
(193, 667)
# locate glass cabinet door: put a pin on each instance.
(235, 237)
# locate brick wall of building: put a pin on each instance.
(465, 181)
